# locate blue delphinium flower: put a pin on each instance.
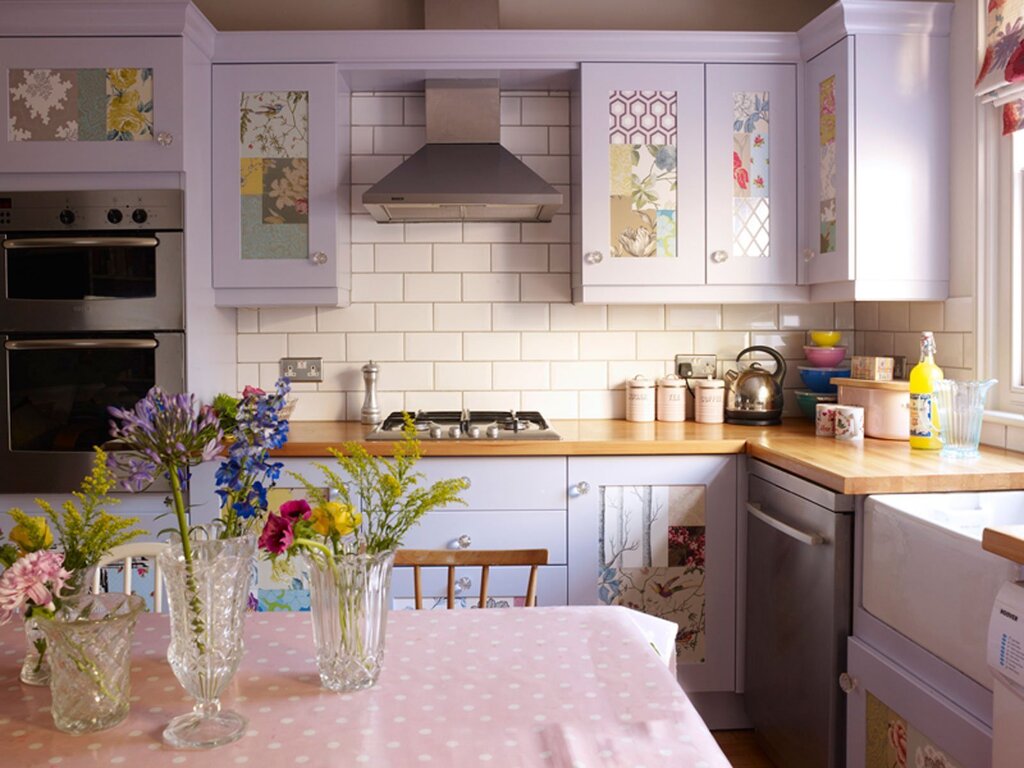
(247, 474)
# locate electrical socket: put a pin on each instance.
(302, 368)
(696, 366)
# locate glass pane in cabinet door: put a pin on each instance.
(892, 741)
(642, 167)
(827, 162)
(652, 556)
(751, 175)
(274, 174)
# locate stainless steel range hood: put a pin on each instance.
(462, 173)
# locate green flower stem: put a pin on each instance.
(343, 604)
(186, 551)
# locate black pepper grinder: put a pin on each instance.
(371, 410)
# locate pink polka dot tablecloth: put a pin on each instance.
(567, 686)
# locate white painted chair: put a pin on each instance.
(127, 553)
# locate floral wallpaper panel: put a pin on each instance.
(1003, 61)
(827, 162)
(642, 172)
(274, 174)
(80, 104)
(892, 742)
(652, 557)
(751, 175)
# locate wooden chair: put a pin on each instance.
(484, 558)
(127, 553)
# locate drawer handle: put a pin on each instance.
(582, 488)
(847, 683)
(463, 542)
(811, 539)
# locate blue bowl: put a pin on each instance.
(817, 379)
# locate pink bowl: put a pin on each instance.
(825, 357)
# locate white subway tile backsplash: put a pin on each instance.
(696, 318)
(558, 258)
(406, 376)
(554, 287)
(262, 347)
(959, 314)
(908, 345)
(462, 317)
(522, 375)
(810, 317)
(490, 232)
(462, 257)
(376, 110)
(879, 343)
(366, 230)
(398, 140)
(602, 404)
(553, 405)
(553, 345)
(663, 345)
(463, 376)
(554, 231)
(845, 314)
(247, 374)
(725, 344)
(525, 140)
(750, 316)
(558, 141)
(926, 316)
(390, 402)
(320, 406)
(789, 344)
(374, 287)
(865, 316)
(619, 371)
(357, 317)
(893, 316)
(339, 377)
(434, 232)
(268, 375)
(361, 138)
(403, 257)
(369, 169)
(363, 347)
(608, 345)
(628, 317)
(949, 349)
(433, 346)
(578, 317)
(362, 257)
(415, 110)
(491, 400)
(406, 316)
(435, 400)
(287, 319)
(554, 169)
(579, 375)
(433, 287)
(490, 346)
(545, 110)
(247, 321)
(517, 257)
(511, 110)
(329, 346)
(490, 286)
(520, 317)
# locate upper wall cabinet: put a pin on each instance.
(91, 104)
(275, 185)
(687, 180)
(876, 158)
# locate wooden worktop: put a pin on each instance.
(874, 466)
(1006, 541)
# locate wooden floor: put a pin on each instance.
(741, 749)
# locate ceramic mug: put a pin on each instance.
(849, 422)
(825, 419)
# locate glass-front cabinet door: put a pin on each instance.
(751, 174)
(658, 535)
(275, 184)
(642, 174)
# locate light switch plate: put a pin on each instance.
(696, 366)
(302, 368)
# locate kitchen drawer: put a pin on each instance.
(518, 529)
(503, 583)
(504, 483)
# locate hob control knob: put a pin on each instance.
(492, 430)
(454, 432)
(474, 432)
(140, 215)
(67, 216)
(114, 216)
(435, 432)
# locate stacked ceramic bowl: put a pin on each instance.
(825, 363)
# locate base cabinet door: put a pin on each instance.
(658, 534)
(894, 718)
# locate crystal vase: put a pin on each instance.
(35, 668)
(208, 599)
(348, 601)
(89, 643)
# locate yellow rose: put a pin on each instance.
(123, 114)
(335, 518)
(31, 535)
(123, 79)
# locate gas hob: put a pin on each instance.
(468, 425)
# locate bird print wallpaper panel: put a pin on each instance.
(651, 552)
(892, 742)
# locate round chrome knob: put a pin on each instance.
(164, 139)
(454, 432)
(319, 258)
(809, 254)
(581, 488)
(436, 432)
(493, 431)
(463, 542)
(463, 584)
(593, 257)
(473, 432)
(717, 257)
(847, 683)
(467, 481)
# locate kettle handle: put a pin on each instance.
(780, 364)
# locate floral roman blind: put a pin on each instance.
(1001, 79)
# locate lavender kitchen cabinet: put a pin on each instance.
(279, 159)
(91, 104)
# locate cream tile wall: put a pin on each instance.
(478, 315)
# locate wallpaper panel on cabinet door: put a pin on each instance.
(827, 162)
(751, 172)
(893, 742)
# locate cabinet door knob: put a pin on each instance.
(717, 257)
(319, 258)
(593, 257)
(164, 139)
(467, 481)
(463, 542)
(580, 489)
(809, 254)
(463, 584)
(847, 682)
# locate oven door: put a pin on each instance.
(55, 394)
(53, 282)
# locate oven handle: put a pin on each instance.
(58, 242)
(24, 344)
(811, 539)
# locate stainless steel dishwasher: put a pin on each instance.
(799, 595)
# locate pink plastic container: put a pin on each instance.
(824, 357)
(886, 406)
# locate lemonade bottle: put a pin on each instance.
(924, 417)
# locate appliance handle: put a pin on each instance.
(35, 344)
(811, 539)
(59, 242)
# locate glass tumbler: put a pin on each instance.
(961, 405)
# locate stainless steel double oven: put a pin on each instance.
(91, 315)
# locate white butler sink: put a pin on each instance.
(926, 575)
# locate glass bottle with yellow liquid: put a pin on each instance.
(924, 416)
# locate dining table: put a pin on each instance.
(587, 686)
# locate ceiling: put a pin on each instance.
(739, 15)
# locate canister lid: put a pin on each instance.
(672, 380)
(639, 382)
(709, 383)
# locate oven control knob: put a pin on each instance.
(114, 216)
(474, 432)
(435, 432)
(492, 430)
(139, 216)
(454, 432)
(67, 216)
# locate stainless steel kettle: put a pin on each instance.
(754, 396)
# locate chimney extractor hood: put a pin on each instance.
(462, 173)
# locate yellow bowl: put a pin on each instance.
(826, 338)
